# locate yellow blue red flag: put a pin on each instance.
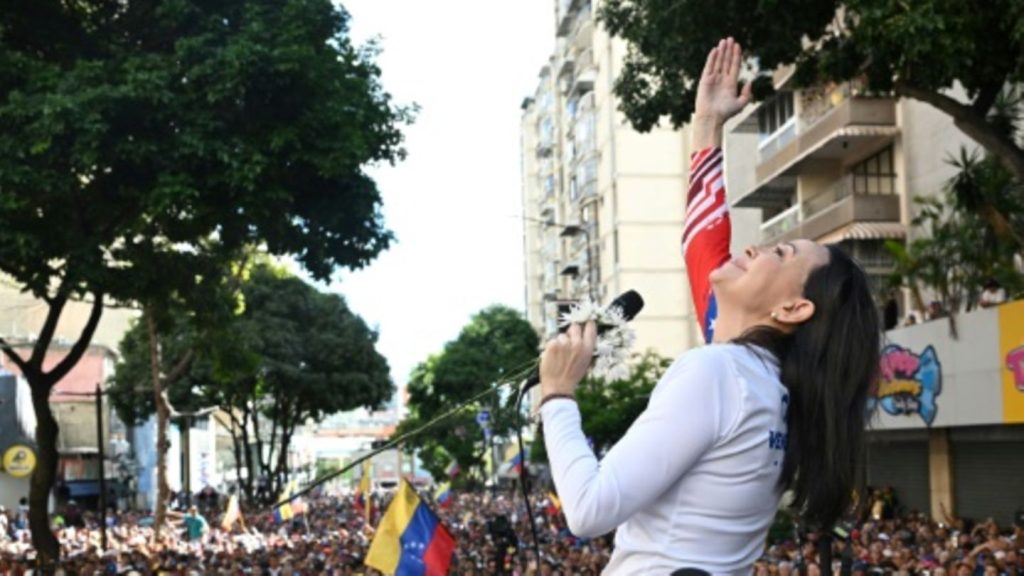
(410, 540)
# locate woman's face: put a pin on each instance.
(763, 280)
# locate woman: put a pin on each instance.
(776, 402)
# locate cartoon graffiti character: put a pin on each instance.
(910, 383)
(1015, 362)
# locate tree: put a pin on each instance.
(608, 409)
(316, 358)
(292, 355)
(497, 344)
(961, 249)
(916, 49)
(142, 146)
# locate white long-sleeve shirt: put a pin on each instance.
(693, 483)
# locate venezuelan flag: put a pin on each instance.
(363, 502)
(517, 461)
(453, 469)
(555, 504)
(443, 495)
(410, 540)
(283, 511)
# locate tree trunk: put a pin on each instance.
(47, 430)
(282, 459)
(250, 470)
(163, 416)
(236, 446)
(43, 477)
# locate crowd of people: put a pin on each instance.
(493, 536)
(331, 536)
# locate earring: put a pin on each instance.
(775, 316)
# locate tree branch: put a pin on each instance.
(15, 357)
(180, 368)
(76, 352)
(986, 98)
(53, 313)
(972, 124)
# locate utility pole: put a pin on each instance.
(103, 465)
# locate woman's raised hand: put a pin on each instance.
(718, 98)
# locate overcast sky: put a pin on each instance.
(453, 203)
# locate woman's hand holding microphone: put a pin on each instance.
(566, 360)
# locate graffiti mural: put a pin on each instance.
(1015, 364)
(910, 383)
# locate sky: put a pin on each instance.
(455, 202)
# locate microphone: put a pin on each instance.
(629, 304)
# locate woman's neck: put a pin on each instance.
(729, 326)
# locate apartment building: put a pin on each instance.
(603, 204)
(839, 165)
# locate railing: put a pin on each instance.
(584, 60)
(787, 220)
(817, 102)
(778, 140)
(836, 192)
(847, 186)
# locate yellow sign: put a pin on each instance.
(1011, 356)
(19, 461)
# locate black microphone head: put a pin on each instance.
(629, 303)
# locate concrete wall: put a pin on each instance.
(973, 369)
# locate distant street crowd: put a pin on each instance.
(493, 536)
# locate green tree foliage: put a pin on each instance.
(917, 49)
(960, 248)
(142, 145)
(494, 347)
(294, 355)
(609, 408)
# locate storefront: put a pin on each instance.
(949, 424)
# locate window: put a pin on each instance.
(875, 175)
(549, 186)
(584, 133)
(774, 114)
(547, 131)
(570, 108)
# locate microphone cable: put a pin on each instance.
(523, 473)
(520, 372)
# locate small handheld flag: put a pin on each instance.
(453, 469)
(283, 511)
(443, 495)
(232, 514)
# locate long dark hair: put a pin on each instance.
(828, 363)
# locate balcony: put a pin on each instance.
(783, 222)
(832, 126)
(564, 12)
(826, 219)
(582, 34)
(586, 74)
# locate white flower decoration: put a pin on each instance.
(611, 352)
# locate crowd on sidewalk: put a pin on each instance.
(493, 536)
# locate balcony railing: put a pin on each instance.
(816, 102)
(848, 209)
(785, 221)
(778, 140)
(847, 186)
(860, 122)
